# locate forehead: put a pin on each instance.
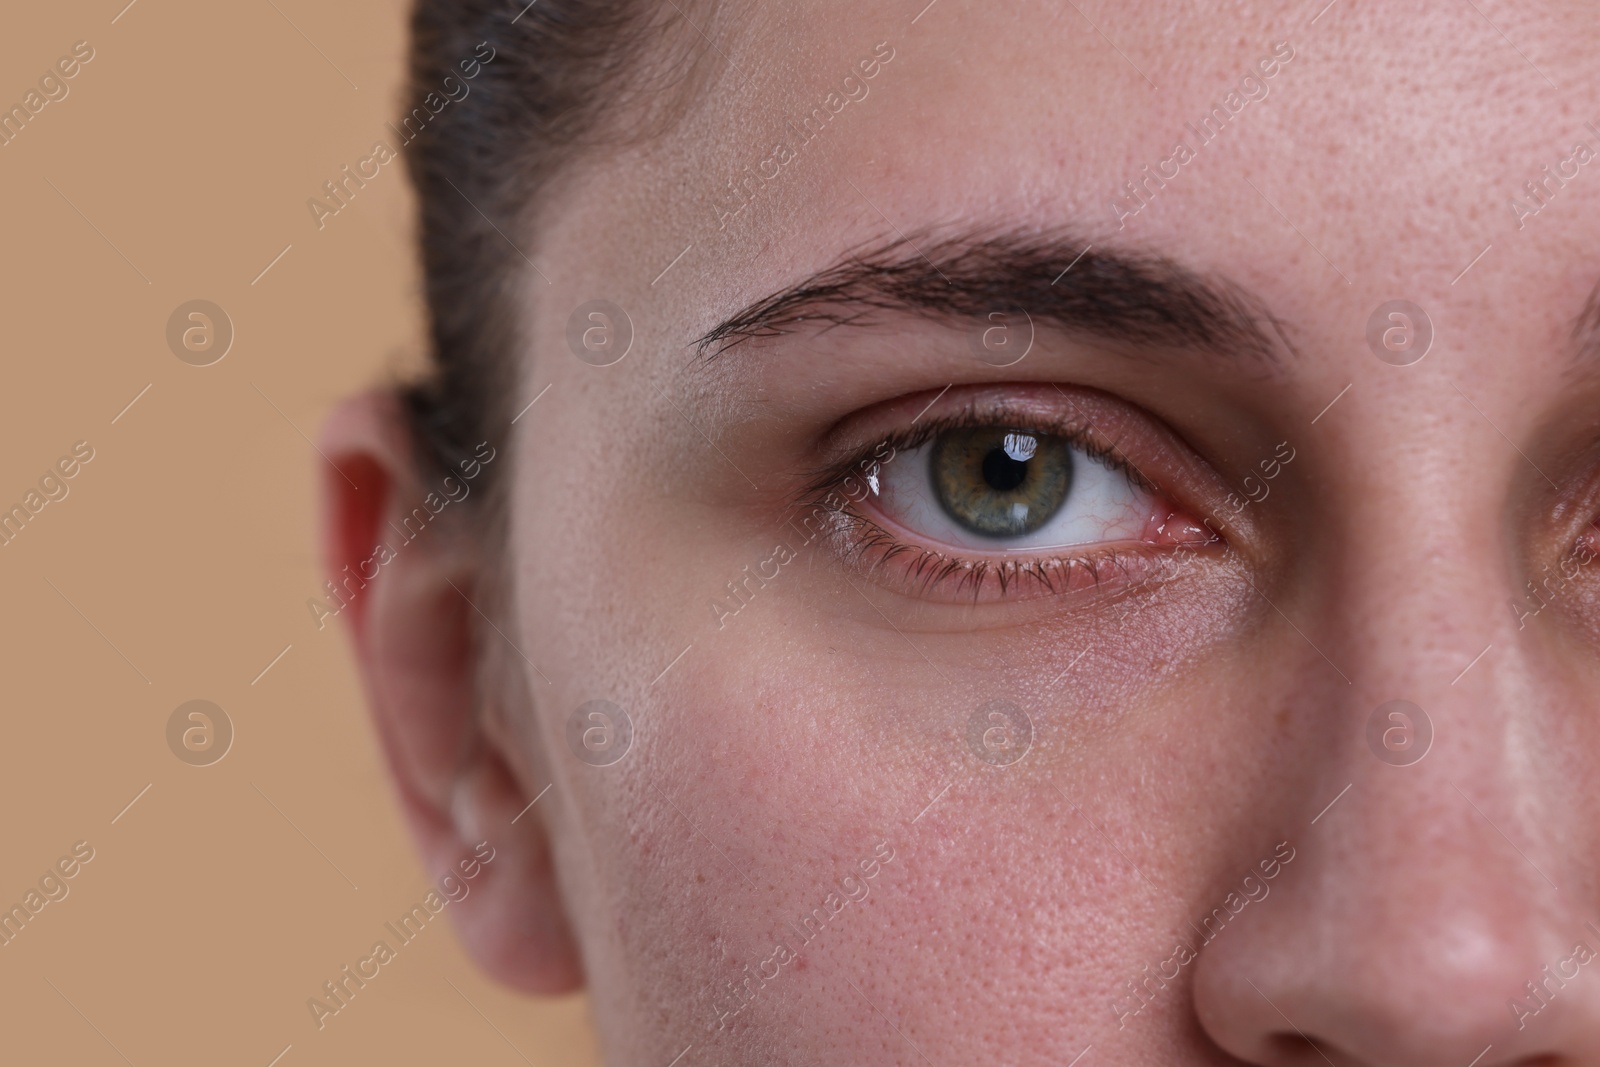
(1331, 160)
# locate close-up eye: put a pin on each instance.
(1006, 489)
(990, 502)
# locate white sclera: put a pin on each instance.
(1102, 505)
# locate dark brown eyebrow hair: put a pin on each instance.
(1128, 296)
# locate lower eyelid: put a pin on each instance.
(927, 573)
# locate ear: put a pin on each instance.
(405, 586)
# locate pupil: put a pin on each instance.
(1002, 472)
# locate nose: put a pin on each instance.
(1429, 950)
(1440, 912)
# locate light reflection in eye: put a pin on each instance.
(1021, 446)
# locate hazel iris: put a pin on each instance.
(1000, 482)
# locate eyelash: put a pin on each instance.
(865, 543)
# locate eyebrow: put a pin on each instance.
(1129, 296)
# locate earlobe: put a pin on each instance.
(514, 923)
(413, 634)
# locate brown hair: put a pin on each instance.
(565, 76)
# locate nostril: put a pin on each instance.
(1297, 1050)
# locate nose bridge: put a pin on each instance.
(1449, 699)
(1419, 553)
(1417, 572)
(1450, 807)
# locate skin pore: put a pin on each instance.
(1194, 708)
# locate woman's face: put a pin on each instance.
(1006, 631)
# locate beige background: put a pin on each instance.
(191, 143)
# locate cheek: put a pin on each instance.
(764, 770)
